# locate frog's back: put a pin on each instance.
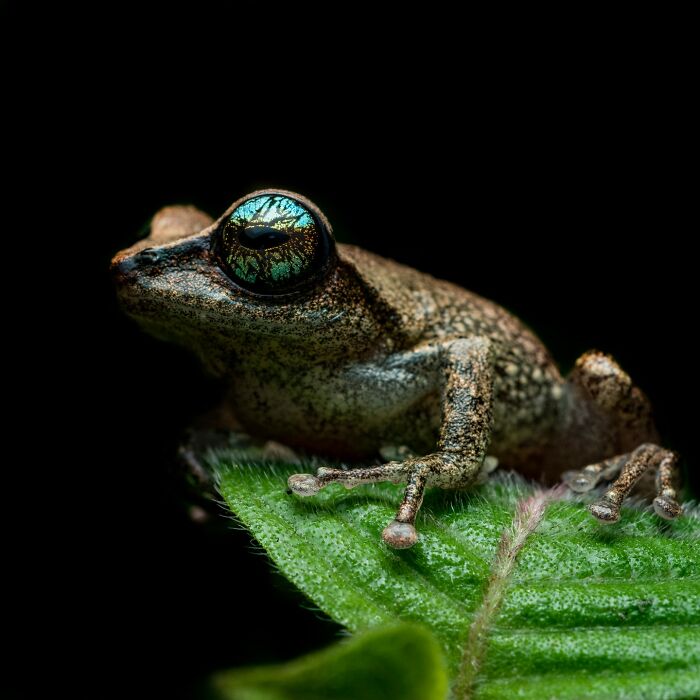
(436, 310)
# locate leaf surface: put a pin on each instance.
(527, 594)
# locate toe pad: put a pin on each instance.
(604, 512)
(400, 535)
(666, 508)
(580, 482)
(304, 484)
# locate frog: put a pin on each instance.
(330, 349)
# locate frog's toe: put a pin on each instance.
(400, 535)
(636, 463)
(579, 481)
(667, 508)
(605, 511)
(304, 484)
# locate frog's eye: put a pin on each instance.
(274, 243)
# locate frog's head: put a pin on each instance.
(267, 276)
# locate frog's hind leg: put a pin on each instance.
(611, 404)
(631, 467)
(619, 415)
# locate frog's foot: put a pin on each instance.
(631, 467)
(443, 469)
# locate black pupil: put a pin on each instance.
(262, 237)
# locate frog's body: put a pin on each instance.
(352, 400)
(372, 354)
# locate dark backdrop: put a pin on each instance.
(576, 232)
(559, 197)
(562, 193)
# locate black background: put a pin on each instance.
(558, 191)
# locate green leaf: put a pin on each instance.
(528, 595)
(398, 661)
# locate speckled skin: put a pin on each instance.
(377, 355)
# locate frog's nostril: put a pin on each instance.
(149, 255)
(128, 267)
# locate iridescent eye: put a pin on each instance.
(274, 243)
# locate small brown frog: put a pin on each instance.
(335, 350)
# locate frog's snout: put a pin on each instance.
(126, 268)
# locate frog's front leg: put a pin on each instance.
(466, 380)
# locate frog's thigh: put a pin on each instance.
(610, 388)
(612, 391)
(465, 376)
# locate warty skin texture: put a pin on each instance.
(375, 356)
